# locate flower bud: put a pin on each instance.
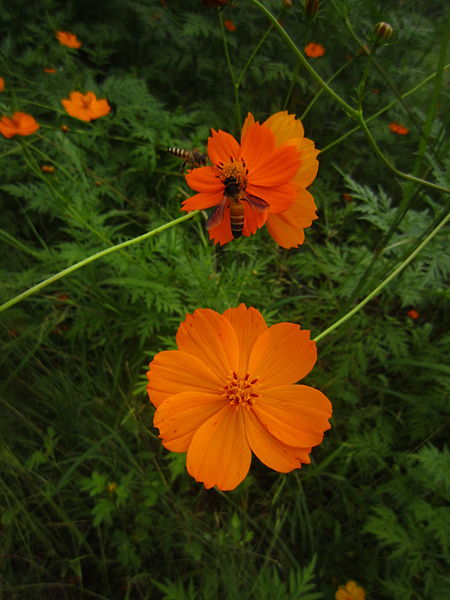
(382, 32)
(286, 3)
(311, 7)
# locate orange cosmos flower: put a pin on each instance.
(68, 39)
(49, 70)
(228, 24)
(229, 390)
(413, 313)
(314, 50)
(2, 84)
(86, 106)
(19, 124)
(350, 591)
(399, 129)
(260, 181)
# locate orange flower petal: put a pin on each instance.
(248, 324)
(222, 146)
(179, 417)
(287, 227)
(257, 144)
(285, 127)
(211, 337)
(278, 168)
(282, 354)
(172, 372)
(219, 454)
(221, 234)
(203, 179)
(295, 414)
(270, 450)
(249, 121)
(309, 164)
(253, 219)
(280, 197)
(202, 200)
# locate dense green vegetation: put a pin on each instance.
(92, 505)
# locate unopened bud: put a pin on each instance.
(382, 32)
(311, 7)
(286, 3)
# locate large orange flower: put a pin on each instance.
(85, 106)
(68, 39)
(229, 390)
(19, 124)
(260, 181)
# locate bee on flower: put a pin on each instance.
(261, 181)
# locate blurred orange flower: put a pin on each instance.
(229, 390)
(68, 39)
(49, 70)
(399, 129)
(413, 313)
(2, 84)
(85, 106)
(48, 168)
(347, 197)
(314, 50)
(262, 180)
(350, 591)
(19, 124)
(228, 24)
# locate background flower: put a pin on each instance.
(229, 390)
(399, 129)
(350, 591)
(19, 124)
(85, 107)
(314, 50)
(68, 39)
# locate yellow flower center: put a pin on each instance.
(240, 391)
(236, 169)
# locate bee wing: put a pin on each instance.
(255, 202)
(216, 217)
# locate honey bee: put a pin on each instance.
(234, 197)
(191, 158)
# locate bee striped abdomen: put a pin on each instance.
(179, 152)
(237, 217)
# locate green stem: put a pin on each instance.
(320, 92)
(253, 54)
(382, 110)
(299, 54)
(94, 257)
(234, 80)
(379, 287)
(394, 169)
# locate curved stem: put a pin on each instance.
(348, 109)
(382, 110)
(94, 257)
(394, 169)
(379, 287)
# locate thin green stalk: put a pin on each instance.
(382, 157)
(382, 110)
(234, 81)
(299, 54)
(385, 281)
(94, 257)
(253, 54)
(320, 92)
